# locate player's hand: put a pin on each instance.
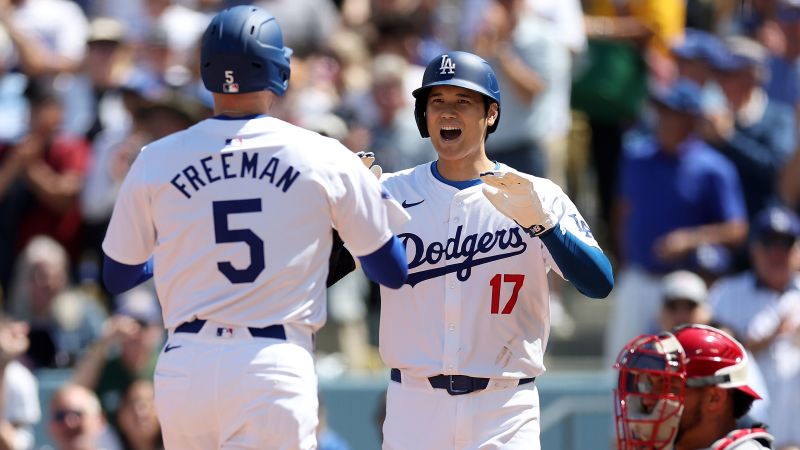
(516, 197)
(368, 159)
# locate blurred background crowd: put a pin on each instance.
(672, 123)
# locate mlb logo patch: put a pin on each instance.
(230, 88)
(234, 142)
(224, 332)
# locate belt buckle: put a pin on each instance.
(453, 391)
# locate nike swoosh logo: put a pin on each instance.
(171, 347)
(409, 205)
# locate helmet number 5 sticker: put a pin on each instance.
(496, 283)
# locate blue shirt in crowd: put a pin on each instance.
(697, 186)
(759, 151)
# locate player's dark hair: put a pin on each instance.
(741, 403)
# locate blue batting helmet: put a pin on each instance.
(460, 69)
(242, 51)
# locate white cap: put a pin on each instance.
(684, 285)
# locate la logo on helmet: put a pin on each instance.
(447, 66)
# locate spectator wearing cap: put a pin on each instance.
(126, 351)
(93, 101)
(762, 305)
(684, 298)
(693, 57)
(675, 195)
(755, 133)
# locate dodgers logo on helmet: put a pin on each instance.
(448, 66)
(459, 69)
(242, 51)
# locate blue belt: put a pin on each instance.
(272, 331)
(456, 384)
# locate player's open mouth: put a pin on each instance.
(449, 133)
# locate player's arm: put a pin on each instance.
(341, 261)
(363, 214)
(584, 265)
(131, 235)
(119, 277)
(387, 265)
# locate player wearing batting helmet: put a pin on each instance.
(684, 390)
(466, 334)
(234, 215)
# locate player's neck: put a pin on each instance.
(464, 169)
(242, 105)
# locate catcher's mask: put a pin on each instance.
(649, 398)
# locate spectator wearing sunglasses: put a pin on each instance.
(762, 306)
(76, 420)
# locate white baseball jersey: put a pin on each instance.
(476, 301)
(238, 216)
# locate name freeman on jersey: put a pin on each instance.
(239, 164)
(455, 248)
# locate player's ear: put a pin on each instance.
(715, 399)
(492, 114)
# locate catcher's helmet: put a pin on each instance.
(460, 69)
(713, 358)
(242, 51)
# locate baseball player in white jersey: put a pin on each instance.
(685, 390)
(235, 217)
(466, 334)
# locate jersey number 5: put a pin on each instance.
(496, 281)
(223, 234)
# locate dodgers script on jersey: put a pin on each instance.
(476, 298)
(216, 206)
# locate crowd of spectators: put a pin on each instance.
(673, 122)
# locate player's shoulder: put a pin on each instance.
(169, 143)
(744, 439)
(316, 146)
(411, 175)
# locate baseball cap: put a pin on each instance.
(105, 29)
(775, 221)
(683, 285)
(739, 53)
(697, 44)
(681, 96)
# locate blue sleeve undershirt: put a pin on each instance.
(586, 267)
(119, 277)
(387, 265)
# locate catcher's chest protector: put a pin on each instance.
(744, 439)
